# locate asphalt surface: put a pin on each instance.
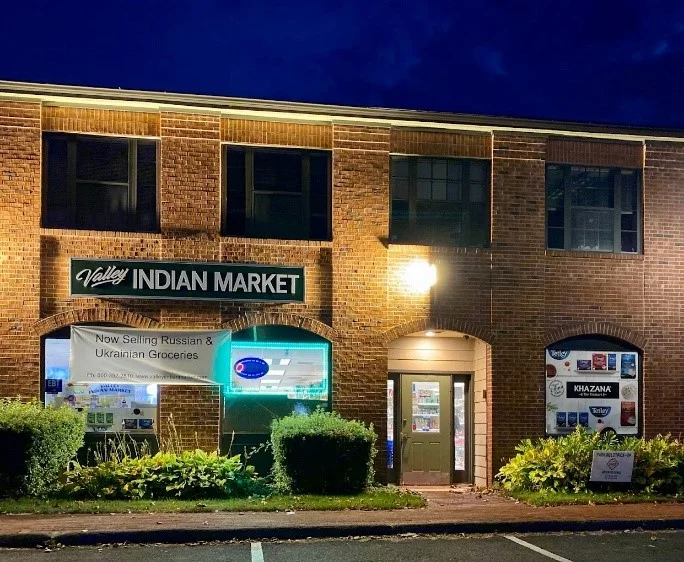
(661, 546)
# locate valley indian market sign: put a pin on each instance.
(131, 279)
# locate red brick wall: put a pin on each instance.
(663, 287)
(515, 295)
(19, 246)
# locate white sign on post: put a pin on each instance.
(612, 466)
(130, 356)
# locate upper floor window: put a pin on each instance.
(593, 209)
(440, 201)
(99, 183)
(277, 193)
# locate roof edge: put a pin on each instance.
(225, 103)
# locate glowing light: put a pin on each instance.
(419, 276)
(430, 334)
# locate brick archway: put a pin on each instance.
(439, 323)
(595, 328)
(113, 315)
(250, 320)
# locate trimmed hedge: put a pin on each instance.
(564, 464)
(186, 475)
(36, 444)
(322, 453)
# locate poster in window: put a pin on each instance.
(598, 390)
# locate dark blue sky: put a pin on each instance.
(600, 60)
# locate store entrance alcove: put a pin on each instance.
(436, 409)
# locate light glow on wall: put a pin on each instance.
(419, 276)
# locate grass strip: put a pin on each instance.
(371, 500)
(589, 498)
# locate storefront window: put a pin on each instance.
(390, 424)
(459, 426)
(275, 371)
(593, 384)
(108, 407)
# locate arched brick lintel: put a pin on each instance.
(439, 323)
(85, 315)
(595, 328)
(250, 320)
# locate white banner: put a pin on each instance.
(126, 355)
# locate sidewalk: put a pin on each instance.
(447, 512)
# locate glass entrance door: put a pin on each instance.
(462, 428)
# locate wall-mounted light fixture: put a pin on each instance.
(419, 276)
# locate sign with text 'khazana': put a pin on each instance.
(185, 280)
(130, 356)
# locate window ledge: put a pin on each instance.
(593, 255)
(276, 242)
(440, 249)
(98, 233)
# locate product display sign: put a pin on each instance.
(612, 466)
(297, 371)
(185, 280)
(126, 355)
(595, 389)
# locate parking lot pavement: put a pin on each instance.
(662, 546)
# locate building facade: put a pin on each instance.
(558, 250)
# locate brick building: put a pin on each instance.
(558, 250)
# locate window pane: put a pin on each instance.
(453, 191)
(400, 189)
(592, 230)
(439, 168)
(424, 190)
(629, 221)
(629, 241)
(102, 160)
(318, 169)
(592, 187)
(477, 171)
(628, 187)
(439, 190)
(454, 170)
(59, 213)
(400, 167)
(278, 216)
(556, 219)
(102, 207)
(399, 228)
(146, 210)
(277, 171)
(477, 193)
(424, 168)
(556, 238)
(478, 234)
(234, 222)
(554, 187)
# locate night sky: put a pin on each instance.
(601, 61)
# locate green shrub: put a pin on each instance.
(322, 453)
(564, 464)
(36, 444)
(186, 475)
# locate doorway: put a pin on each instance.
(434, 427)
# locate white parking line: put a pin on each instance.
(536, 549)
(257, 553)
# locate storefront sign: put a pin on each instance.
(612, 466)
(127, 356)
(251, 368)
(183, 280)
(598, 390)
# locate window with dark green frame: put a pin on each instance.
(99, 183)
(276, 193)
(440, 201)
(595, 209)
